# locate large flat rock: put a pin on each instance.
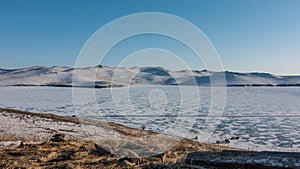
(246, 159)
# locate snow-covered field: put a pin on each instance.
(264, 118)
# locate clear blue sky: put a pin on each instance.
(249, 35)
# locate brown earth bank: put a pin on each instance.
(63, 146)
(60, 153)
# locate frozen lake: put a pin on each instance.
(264, 118)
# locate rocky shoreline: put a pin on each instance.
(36, 140)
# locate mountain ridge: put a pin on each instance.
(104, 76)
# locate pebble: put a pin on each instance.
(58, 137)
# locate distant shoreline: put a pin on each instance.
(101, 87)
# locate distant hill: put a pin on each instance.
(103, 76)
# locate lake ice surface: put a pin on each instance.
(265, 118)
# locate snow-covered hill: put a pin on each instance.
(103, 76)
